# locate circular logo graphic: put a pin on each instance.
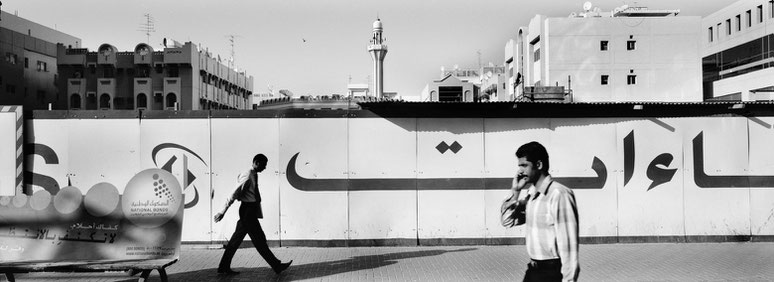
(151, 198)
(68, 199)
(102, 199)
(40, 200)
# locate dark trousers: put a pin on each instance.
(248, 224)
(544, 270)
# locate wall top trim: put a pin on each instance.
(450, 110)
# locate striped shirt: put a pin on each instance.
(552, 226)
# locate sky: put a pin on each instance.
(313, 47)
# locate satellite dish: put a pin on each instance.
(587, 6)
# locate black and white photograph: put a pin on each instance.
(386, 140)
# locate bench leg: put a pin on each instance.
(144, 275)
(163, 274)
(9, 276)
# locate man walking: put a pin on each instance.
(551, 218)
(249, 212)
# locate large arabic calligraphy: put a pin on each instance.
(657, 171)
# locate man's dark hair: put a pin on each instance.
(534, 152)
(260, 158)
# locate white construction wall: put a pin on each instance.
(367, 181)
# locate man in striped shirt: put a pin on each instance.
(551, 218)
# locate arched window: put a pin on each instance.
(75, 101)
(171, 100)
(142, 101)
(104, 101)
(433, 96)
(468, 96)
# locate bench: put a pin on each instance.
(132, 266)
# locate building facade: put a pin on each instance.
(628, 54)
(494, 84)
(28, 69)
(450, 88)
(179, 77)
(738, 52)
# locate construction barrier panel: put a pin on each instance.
(371, 180)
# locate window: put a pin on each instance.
(26, 62)
(10, 89)
(728, 26)
(10, 58)
(603, 79)
(710, 34)
(748, 18)
(142, 101)
(42, 66)
(603, 45)
(171, 101)
(760, 13)
(631, 45)
(718, 31)
(75, 101)
(537, 55)
(172, 71)
(738, 22)
(771, 8)
(631, 79)
(108, 72)
(104, 101)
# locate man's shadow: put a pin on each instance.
(312, 270)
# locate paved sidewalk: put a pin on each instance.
(613, 262)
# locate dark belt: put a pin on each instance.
(545, 263)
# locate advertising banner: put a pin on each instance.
(366, 178)
(650, 181)
(47, 156)
(501, 139)
(182, 147)
(234, 144)
(113, 157)
(761, 173)
(314, 198)
(382, 178)
(143, 222)
(450, 165)
(583, 157)
(716, 185)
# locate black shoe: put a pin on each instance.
(228, 271)
(282, 266)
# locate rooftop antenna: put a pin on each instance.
(148, 26)
(479, 58)
(232, 40)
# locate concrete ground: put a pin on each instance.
(604, 262)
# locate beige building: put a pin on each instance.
(737, 49)
(628, 54)
(178, 77)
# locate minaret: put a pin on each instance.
(378, 51)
